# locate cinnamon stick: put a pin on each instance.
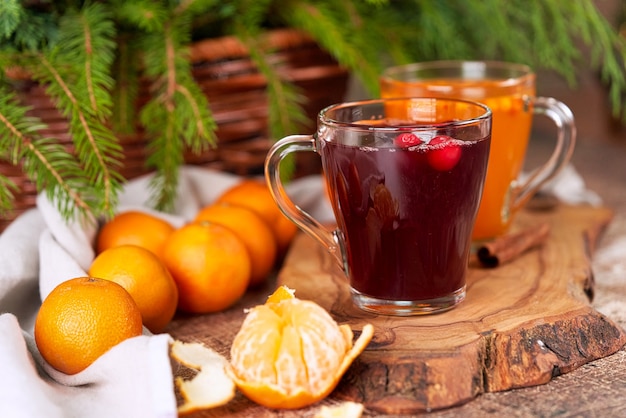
(510, 246)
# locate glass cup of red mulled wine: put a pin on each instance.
(405, 178)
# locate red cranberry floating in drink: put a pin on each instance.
(446, 154)
(407, 139)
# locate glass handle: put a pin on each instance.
(332, 241)
(563, 118)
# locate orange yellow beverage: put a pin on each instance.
(509, 90)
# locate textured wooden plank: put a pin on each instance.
(522, 323)
(596, 389)
(482, 347)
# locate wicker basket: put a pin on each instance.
(237, 96)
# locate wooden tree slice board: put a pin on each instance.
(521, 324)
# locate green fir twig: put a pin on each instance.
(178, 116)
(286, 114)
(47, 162)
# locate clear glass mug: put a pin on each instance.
(509, 90)
(404, 180)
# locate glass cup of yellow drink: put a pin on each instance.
(509, 90)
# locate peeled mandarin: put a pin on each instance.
(290, 353)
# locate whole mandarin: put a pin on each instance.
(81, 319)
(134, 228)
(145, 277)
(255, 195)
(253, 232)
(210, 265)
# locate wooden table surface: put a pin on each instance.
(596, 389)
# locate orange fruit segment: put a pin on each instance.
(253, 231)
(135, 228)
(281, 293)
(291, 353)
(211, 387)
(81, 319)
(145, 277)
(210, 265)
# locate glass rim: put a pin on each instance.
(417, 126)
(521, 70)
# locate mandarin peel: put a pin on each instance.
(291, 353)
(211, 386)
(345, 409)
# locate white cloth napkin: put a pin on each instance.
(135, 378)
(569, 187)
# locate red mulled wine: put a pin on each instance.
(406, 207)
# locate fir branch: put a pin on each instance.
(178, 115)
(8, 189)
(368, 22)
(378, 2)
(11, 13)
(286, 114)
(146, 15)
(24, 29)
(87, 38)
(96, 147)
(194, 116)
(87, 53)
(198, 7)
(438, 36)
(250, 16)
(62, 181)
(318, 20)
(608, 52)
(126, 89)
(45, 161)
(487, 27)
(550, 46)
(165, 154)
(387, 34)
(12, 121)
